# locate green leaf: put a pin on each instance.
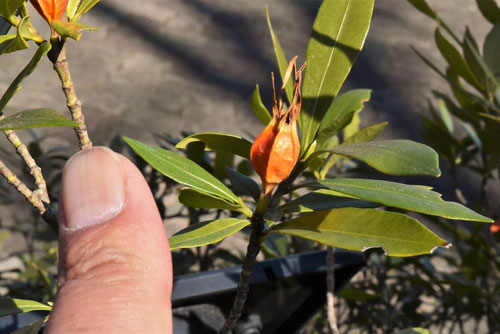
(8, 8)
(490, 10)
(414, 330)
(445, 116)
(258, 107)
(35, 118)
(455, 59)
(33, 328)
(361, 229)
(243, 185)
(69, 29)
(367, 134)
(16, 84)
(19, 42)
(394, 157)
(323, 199)
(337, 37)
(423, 7)
(491, 50)
(356, 294)
(478, 65)
(403, 196)
(198, 199)
(337, 115)
(181, 169)
(206, 232)
(84, 7)
(71, 9)
(10, 306)
(27, 31)
(221, 161)
(220, 142)
(280, 57)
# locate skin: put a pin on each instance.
(115, 276)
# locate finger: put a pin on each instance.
(115, 273)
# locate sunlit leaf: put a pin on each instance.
(71, 8)
(337, 37)
(394, 157)
(85, 6)
(366, 134)
(206, 232)
(198, 199)
(258, 108)
(220, 142)
(181, 170)
(337, 115)
(361, 229)
(8, 8)
(69, 29)
(10, 306)
(403, 196)
(16, 84)
(35, 118)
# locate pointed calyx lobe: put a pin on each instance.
(276, 150)
(50, 9)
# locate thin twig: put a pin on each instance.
(47, 212)
(330, 290)
(246, 272)
(35, 171)
(72, 101)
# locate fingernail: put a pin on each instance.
(93, 190)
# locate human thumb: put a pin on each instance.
(115, 273)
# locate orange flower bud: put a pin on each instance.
(276, 150)
(50, 9)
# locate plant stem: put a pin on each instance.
(253, 250)
(330, 289)
(48, 214)
(36, 171)
(72, 101)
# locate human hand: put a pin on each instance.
(115, 270)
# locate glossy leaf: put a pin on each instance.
(198, 199)
(10, 306)
(219, 142)
(33, 328)
(361, 229)
(206, 232)
(366, 134)
(280, 57)
(19, 42)
(16, 84)
(324, 199)
(490, 10)
(243, 185)
(69, 29)
(84, 7)
(258, 108)
(455, 59)
(337, 37)
(35, 118)
(71, 8)
(491, 50)
(342, 107)
(403, 196)
(394, 157)
(181, 170)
